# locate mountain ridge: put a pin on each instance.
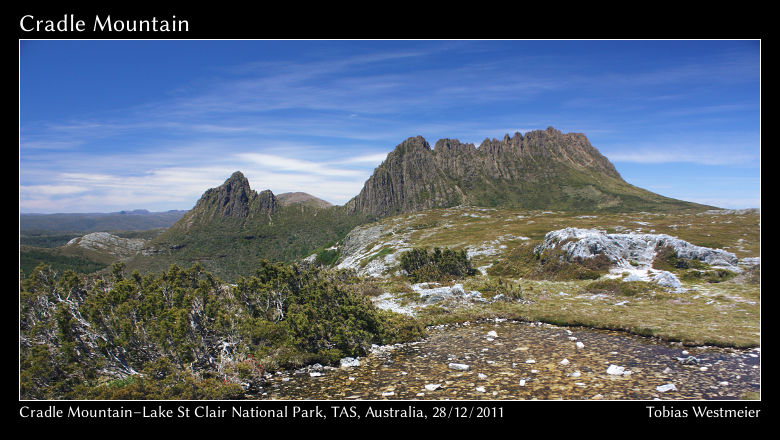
(541, 169)
(232, 226)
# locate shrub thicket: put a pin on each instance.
(440, 265)
(190, 335)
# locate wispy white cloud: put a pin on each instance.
(682, 155)
(286, 164)
(365, 158)
(52, 190)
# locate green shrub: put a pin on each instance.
(440, 265)
(710, 276)
(327, 257)
(554, 264)
(499, 286)
(666, 259)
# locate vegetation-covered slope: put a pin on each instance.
(232, 227)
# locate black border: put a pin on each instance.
(412, 22)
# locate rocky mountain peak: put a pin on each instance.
(234, 199)
(445, 146)
(412, 145)
(541, 169)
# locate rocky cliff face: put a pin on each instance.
(410, 179)
(543, 169)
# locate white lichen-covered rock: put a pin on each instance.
(625, 249)
(388, 301)
(667, 279)
(349, 362)
(109, 243)
(633, 277)
(750, 261)
(437, 294)
(428, 294)
(363, 250)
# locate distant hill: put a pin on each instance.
(137, 220)
(302, 198)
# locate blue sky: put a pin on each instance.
(113, 125)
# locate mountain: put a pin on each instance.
(543, 169)
(232, 226)
(233, 200)
(302, 198)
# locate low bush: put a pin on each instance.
(710, 276)
(440, 265)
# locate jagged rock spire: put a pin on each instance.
(235, 199)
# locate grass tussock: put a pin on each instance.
(552, 265)
(619, 287)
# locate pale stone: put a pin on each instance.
(458, 367)
(349, 362)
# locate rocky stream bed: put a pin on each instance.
(513, 360)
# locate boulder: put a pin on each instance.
(349, 362)
(667, 279)
(458, 367)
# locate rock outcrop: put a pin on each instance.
(625, 249)
(109, 244)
